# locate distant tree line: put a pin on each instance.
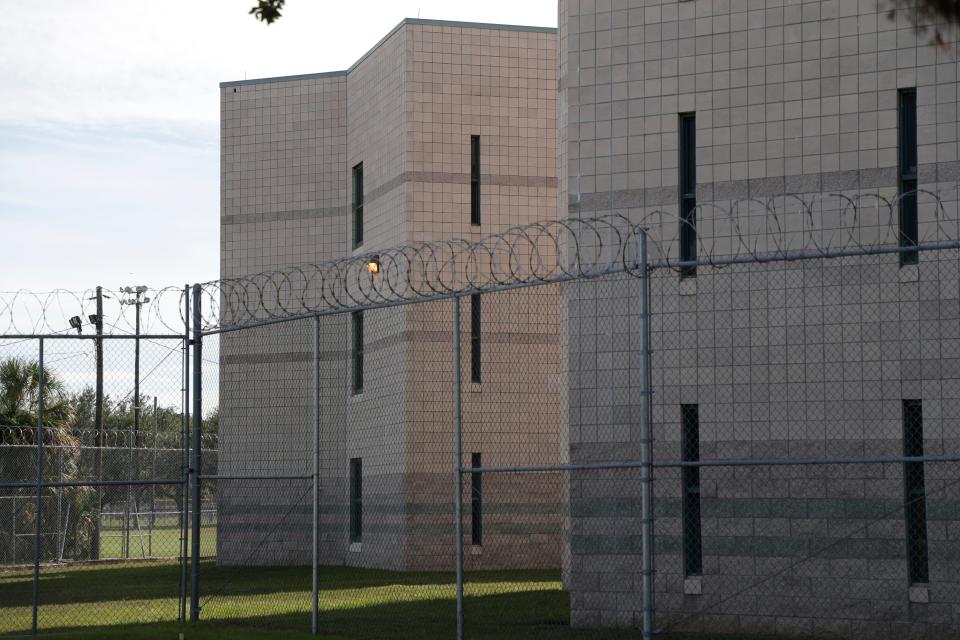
(67, 415)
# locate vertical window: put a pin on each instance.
(475, 338)
(357, 329)
(356, 499)
(692, 549)
(909, 231)
(914, 494)
(358, 205)
(474, 179)
(476, 501)
(688, 192)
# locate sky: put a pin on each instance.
(109, 122)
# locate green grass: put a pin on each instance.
(166, 543)
(124, 601)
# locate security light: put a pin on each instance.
(92, 318)
(76, 323)
(373, 264)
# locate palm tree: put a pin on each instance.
(19, 404)
(20, 397)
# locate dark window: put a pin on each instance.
(358, 205)
(475, 338)
(356, 499)
(357, 321)
(474, 179)
(476, 501)
(688, 192)
(909, 231)
(914, 494)
(692, 549)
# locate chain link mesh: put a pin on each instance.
(111, 499)
(844, 367)
(803, 445)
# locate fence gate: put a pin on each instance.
(92, 461)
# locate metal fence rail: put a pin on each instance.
(558, 409)
(91, 454)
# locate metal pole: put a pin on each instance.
(315, 622)
(646, 443)
(458, 467)
(125, 540)
(197, 456)
(185, 454)
(36, 530)
(61, 526)
(98, 419)
(133, 458)
(153, 474)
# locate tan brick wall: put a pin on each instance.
(406, 110)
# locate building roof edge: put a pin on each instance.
(390, 34)
(302, 76)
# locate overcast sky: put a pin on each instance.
(109, 116)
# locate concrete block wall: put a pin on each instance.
(799, 360)
(375, 419)
(283, 202)
(510, 418)
(406, 110)
(498, 83)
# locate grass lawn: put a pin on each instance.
(166, 543)
(127, 601)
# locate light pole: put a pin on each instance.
(138, 301)
(97, 320)
(77, 323)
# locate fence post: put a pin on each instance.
(98, 419)
(185, 456)
(458, 467)
(315, 622)
(61, 525)
(646, 441)
(197, 456)
(153, 475)
(36, 532)
(125, 541)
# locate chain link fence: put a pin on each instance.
(457, 440)
(92, 480)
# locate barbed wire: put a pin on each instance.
(109, 438)
(789, 226)
(26, 312)
(785, 227)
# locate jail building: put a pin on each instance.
(685, 115)
(442, 130)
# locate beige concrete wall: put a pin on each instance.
(811, 358)
(499, 84)
(283, 167)
(406, 110)
(375, 419)
(283, 172)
